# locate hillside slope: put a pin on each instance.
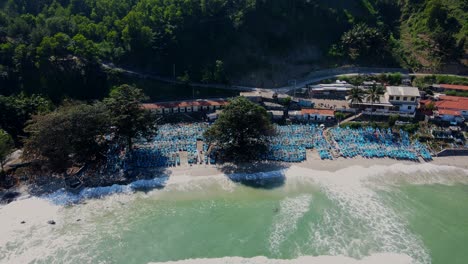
(55, 46)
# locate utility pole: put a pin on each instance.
(173, 70)
(295, 84)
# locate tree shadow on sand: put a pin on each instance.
(262, 175)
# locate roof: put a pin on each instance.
(178, 104)
(268, 104)
(264, 94)
(331, 85)
(340, 89)
(383, 101)
(276, 113)
(454, 87)
(452, 102)
(448, 112)
(455, 105)
(403, 91)
(452, 98)
(322, 112)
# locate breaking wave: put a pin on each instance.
(375, 258)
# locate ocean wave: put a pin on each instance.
(291, 210)
(384, 258)
(65, 197)
(413, 174)
(350, 189)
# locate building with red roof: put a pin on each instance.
(454, 87)
(451, 108)
(313, 115)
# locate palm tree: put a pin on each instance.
(356, 95)
(373, 95)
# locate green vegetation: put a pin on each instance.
(339, 116)
(127, 116)
(389, 78)
(433, 32)
(241, 130)
(363, 41)
(75, 133)
(392, 119)
(71, 134)
(373, 95)
(56, 47)
(16, 110)
(6, 146)
(356, 95)
(425, 81)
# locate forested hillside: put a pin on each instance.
(55, 47)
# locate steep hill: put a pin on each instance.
(56, 46)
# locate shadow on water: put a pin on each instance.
(257, 175)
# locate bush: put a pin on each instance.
(410, 128)
(392, 119)
(352, 125)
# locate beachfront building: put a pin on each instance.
(399, 100)
(263, 96)
(199, 105)
(453, 109)
(313, 115)
(337, 90)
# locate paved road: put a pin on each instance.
(311, 78)
(174, 81)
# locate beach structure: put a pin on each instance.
(188, 106)
(453, 109)
(337, 90)
(399, 100)
(263, 95)
(313, 115)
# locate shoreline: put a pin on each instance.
(314, 164)
(199, 171)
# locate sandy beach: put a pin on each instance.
(315, 164)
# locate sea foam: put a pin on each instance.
(384, 258)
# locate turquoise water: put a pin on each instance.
(415, 212)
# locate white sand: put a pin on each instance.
(315, 164)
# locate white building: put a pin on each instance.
(401, 100)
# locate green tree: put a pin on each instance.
(6, 146)
(392, 119)
(16, 110)
(127, 115)
(356, 95)
(373, 95)
(219, 73)
(83, 47)
(339, 116)
(240, 131)
(71, 134)
(362, 40)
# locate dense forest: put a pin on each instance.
(56, 47)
